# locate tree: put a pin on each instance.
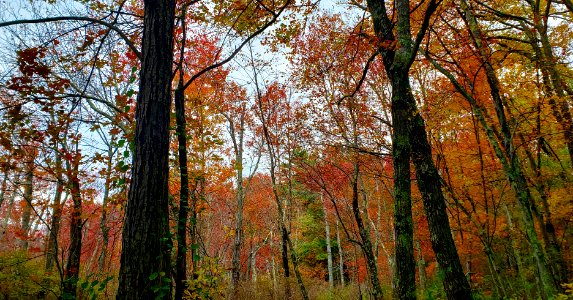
(146, 242)
(409, 141)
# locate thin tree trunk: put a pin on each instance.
(328, 248)
(513, 169)
(238, 148)
(421, 266)
(286, 241)
(340, 255)
(102, 223)
(515, 248)
(273, 265)
(4, 186)
(27, 209)
(145, 258)
(366, 245)
(52, 247)
(560, 106)
(495, 273)
(181, 261)
(71, 275)
(254, 266)
(16, 187)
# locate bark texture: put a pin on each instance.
(398, 47)
(146, 245)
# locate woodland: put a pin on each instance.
(286, 149)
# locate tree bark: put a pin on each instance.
(366, 245)
(240, 195)
(328, 248)
(404, 275)
(27, 209)
(421, 266)
(409, 134)
(340, 255)
(455, 282)
(4, 186)
(71, 274)
(52, 247)
(15, 187)
(102, 223)
(181, 261)
(146, 243)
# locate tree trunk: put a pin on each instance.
(455, 283)
(285, 239)
(4, 186)
(366, 245)
(102, 223)
(27, 209)
(146, 245)
(409, 134)
(516, 252)
(15, 187)
(404, 275)
(328, 248)
(421, 267)
(512, 168)
(181, 261)
(238, 147)
(71, 275)
(340, 255)
(52, 247)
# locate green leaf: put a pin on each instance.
(153, 276)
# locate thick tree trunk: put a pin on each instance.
(146, 245)
(455, 282)
(405, 274)
(409, 134)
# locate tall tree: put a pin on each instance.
(398, 47)
(146, 245)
